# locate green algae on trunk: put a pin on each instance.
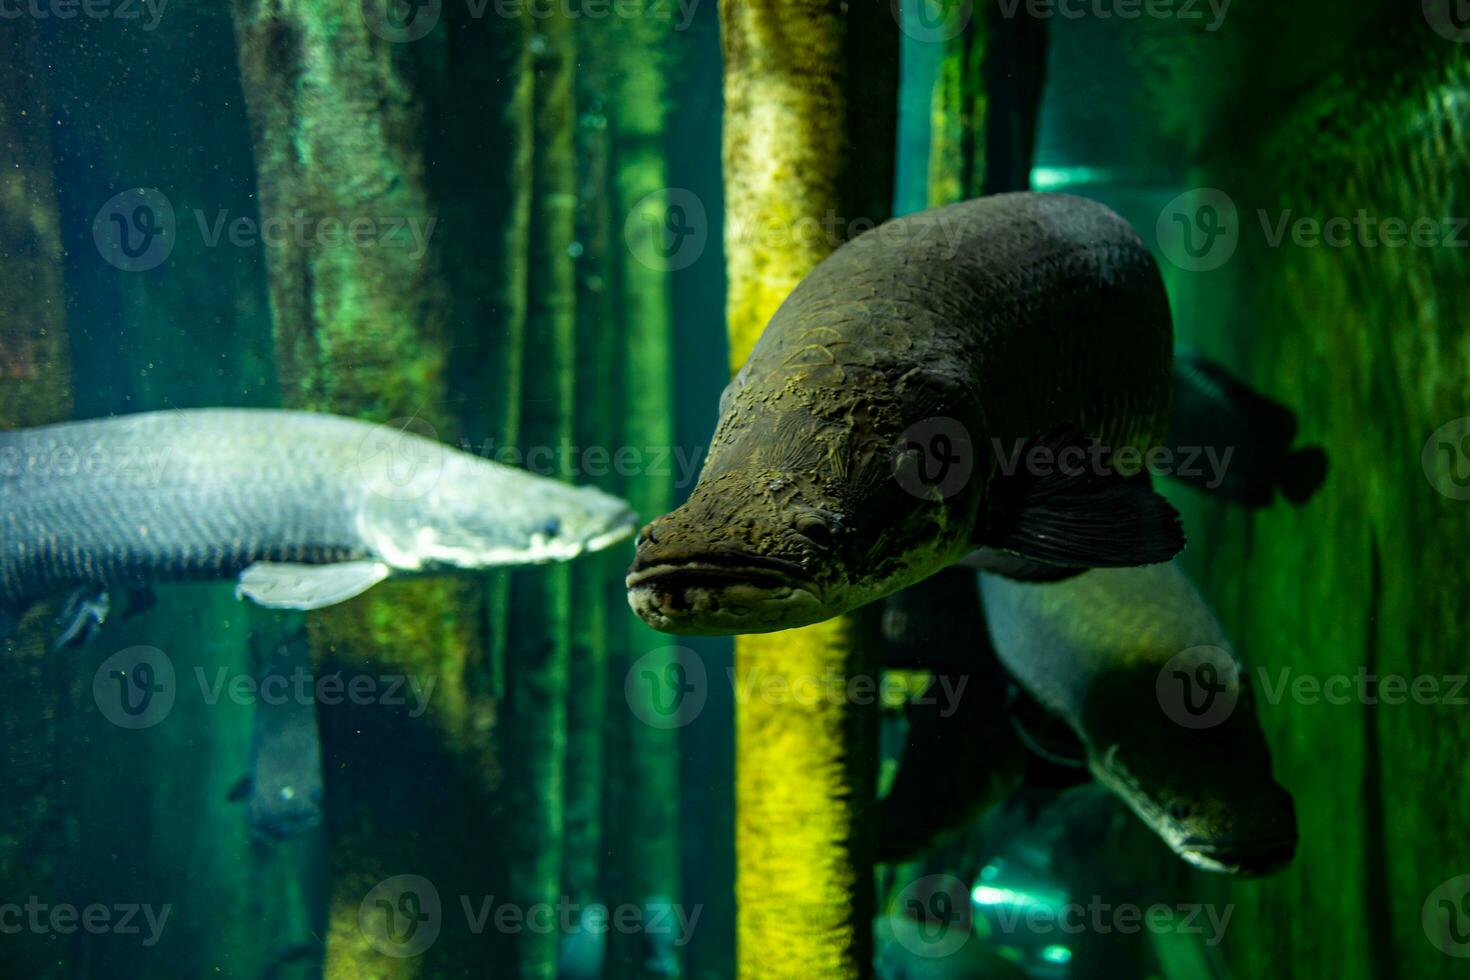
(338, 117)
(641, 830)
(1368, 342)
(804, 771)
(538, 649)
(599, 393)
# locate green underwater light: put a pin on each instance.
(1057, 954)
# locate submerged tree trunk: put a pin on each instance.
(482, 174)
(338, 123)
(538, 644)
(596, 579)
(986, 103)
(804, 771)
(37, 833)
(641, 805)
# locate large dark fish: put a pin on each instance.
(871, 438)
(1134, 661)
(307, 510)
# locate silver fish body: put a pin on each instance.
(306, 508)
(1135, 662)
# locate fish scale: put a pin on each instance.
(993, 289)
(214, 493)
(1008, 321)
(176, 497)
(1010, 291)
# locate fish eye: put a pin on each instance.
(550, 528)
(1177, 811)
(815, 530)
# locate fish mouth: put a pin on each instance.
(721, 594)
(1250, 857)
(618, 529)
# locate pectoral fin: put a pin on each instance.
(1078, 512)
(285, 585)
(1044, 735)
(83, 614)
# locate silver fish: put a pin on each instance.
(1113, 652)
(307, 510)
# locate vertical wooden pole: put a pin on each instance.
(540, 615)
(338, 113)
(804, 772)
(642, 789)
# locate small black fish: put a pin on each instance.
(283, 792)
(1244, 436)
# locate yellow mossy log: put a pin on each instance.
(804, 771)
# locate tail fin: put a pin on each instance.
(1302, 474)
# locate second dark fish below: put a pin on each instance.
(282, 793)
(1099, 652)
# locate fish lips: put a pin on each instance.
(1246, 858)
(724, 594)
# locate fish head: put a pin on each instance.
(797, 517)
(1206, 788)
(475, 513)
(277, 812)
